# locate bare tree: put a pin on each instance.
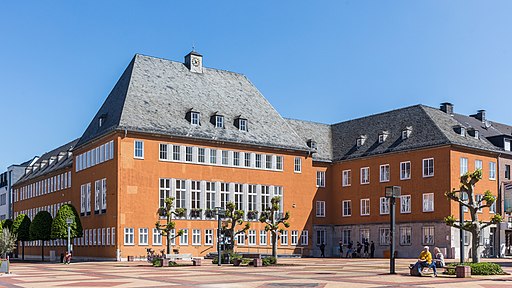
(272, 219)
(233, 218)
(474, 226)
(166, 228)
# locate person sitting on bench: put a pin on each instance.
(425, 260)
(438, 258)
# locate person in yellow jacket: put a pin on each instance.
(425, 260)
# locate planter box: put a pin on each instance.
(257, 262)
(237, 262)
(463, 271)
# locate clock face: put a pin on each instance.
(195, 62)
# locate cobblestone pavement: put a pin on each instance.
(306, 272)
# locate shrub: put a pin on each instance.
(269, 261)
(157, 262)
(482, 268)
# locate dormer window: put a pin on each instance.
(102, 119)
(242, 124)
(312, 144)
(360, 141)
(194, 118)
(507, 144)
(219, 121)
(406, 133)
(460, 130)
(473, 133)
(383, 136)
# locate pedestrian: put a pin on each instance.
(322, 249)
(67, 258)
(349, 249)
(359, 247)
(341, 248)
(365, 249)
(372, 250)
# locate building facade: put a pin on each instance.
(207, 137)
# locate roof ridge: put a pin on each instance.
(308, 121)
(379, 114)
(440, 131)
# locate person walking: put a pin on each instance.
(372, 250)
(349, 249)
(359, 247)
(322, 250)
(341, 248)
(365, 249)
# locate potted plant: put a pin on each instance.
(209, 213)
(252, 215)
(195, 212)
(180, 212)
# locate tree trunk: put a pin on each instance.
(168, 243)
(23, 250)
(274, 244)
(475, 245)
(42, 250)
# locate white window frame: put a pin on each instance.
(365, 175)
(242, 124)
(320, 178)
(405, 204)
(297, 168)
(263, 237)
(251, 237)
(284, 237)
(463, 165)
(194, 118)
(384, 206)
(405, 170)
(294, 238)
(346, 206)
(479, 164)
(385, 173)
(304, 238)
(346, 178)
(208, 237)
(405, 235)
(143, 236)
(184, 237)
(128, 237)
(320, 208)
(219, 121)
(426, 167)
(428, 235)
(384, 236)
(196, 237)
(138, 150)
(157, 237)
(365, 207)
(428, 202)
(492, 170)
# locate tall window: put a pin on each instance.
(507, 172)
(208, 237)
(242, 124)
(320, 179)
(210, 195)
(346, 236)
(365, 207)
(428, 235)
(384, 173)
(428, 167)
(239, 195)
(320, 208)
(176, 153)
(201, 155)
(364, 235)
(284, 237)
(365, 175)
(405, 204)
(463, 166)
(143, 236)
(219, 121)
(384, 236)
(297, 165)
(304, 238)
(265, 197)
(478, 199)
(279, 162)
(194, 118)
(196, 237)
(188, 154)
(320, 237)
(184, 237)
(163, 151)
(251, 197)
(138, 149)
(294, 237)
(157, 237)
(258, 160)
(479, 164)
(263, 237)
(165, 191)
(180, 193)
(97, 196)
(128, 236)
(196, 194)
(405, 235)
(247, 159)
(384, 205)
(268, 161)
(224, 194)
(225, 157)
(346, 208)
(405, 170)
(492, 170)
(346, 178)
(252, 237)
(240, 238)
(428, 202)
(236, 158)
(213, 156)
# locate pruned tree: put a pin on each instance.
(273, 219)
(6, 223)
(59, 228)
(21, 227)
(233, 218)
(41, 229)
(7, 242)
(474, 226)
(166, 228)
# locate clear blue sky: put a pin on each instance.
(324, 61)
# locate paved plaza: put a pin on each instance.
(306, 272)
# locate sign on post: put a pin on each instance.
(393, 191)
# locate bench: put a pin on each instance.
(174, 257)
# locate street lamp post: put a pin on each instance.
(69, 221)
(392, 192)
(220, 213)
(461, 219)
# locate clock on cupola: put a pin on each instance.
(194, 62)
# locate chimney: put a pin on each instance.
(480, 115)
(447, 108)
(194, 62)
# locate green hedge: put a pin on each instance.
(267, 261)
(482, 268)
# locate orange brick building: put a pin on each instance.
(207, 136)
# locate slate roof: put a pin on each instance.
(321, 133)
(65, 161)
(153, 96)
(430, 127)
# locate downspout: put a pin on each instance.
(500, 210)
